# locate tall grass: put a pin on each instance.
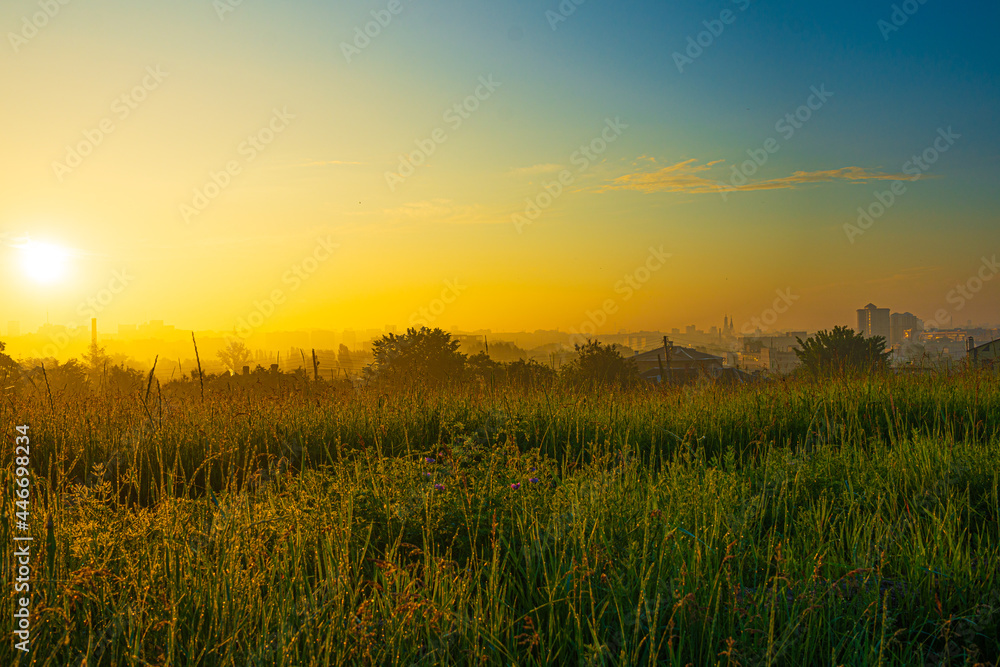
(845, 522)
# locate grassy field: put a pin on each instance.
(845, 522)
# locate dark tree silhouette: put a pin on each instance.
(529, 373)
(482, 366)
(418, 355)
(235, 356)
(8, 367)
(96, 363)
(602, 364)
(842, 351)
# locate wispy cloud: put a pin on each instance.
(693, 178)
(687, 176)
(536, 169)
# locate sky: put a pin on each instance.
(507, 166)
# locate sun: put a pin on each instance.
(43, 262)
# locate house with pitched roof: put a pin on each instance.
(679, 364)
(986, 354)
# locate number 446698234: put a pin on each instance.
(22, 453)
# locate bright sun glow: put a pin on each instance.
(43, 262)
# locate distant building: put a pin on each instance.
(636, 342)
(951, 344)
(13, 329)
(983, 355)
(873, 321)
(155, 329)
(323, 340)
(903, 326)
(774, 354)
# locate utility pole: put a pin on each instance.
(668, 348)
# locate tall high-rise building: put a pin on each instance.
(873, 321)
(900, 323)
(13, 329)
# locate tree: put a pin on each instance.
(529, 373)
(842, 351)
(126, 380)
(344, 357)
(96, 358)
(422, 355)
(69, 378)
(602, 364)
(482, 366)
(96, 362)
(235, 356)
(8, 367)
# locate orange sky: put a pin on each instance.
(196, 166)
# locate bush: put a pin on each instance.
(600, 364)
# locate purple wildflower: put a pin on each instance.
(533, 480)
(439, 487)
(429, 460)
(515, 486)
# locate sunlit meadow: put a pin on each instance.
(844, 522)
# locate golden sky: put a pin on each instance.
(196, 159)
